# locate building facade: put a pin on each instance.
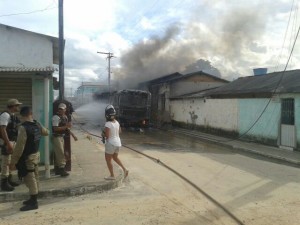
(26, 72)
(264, 109)
(170, 86)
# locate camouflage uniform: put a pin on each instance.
(59, 121)
(9, 122)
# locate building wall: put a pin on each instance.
(232, 115)
(33, 96)
(297, 120)
(212, 113)
(255, 125)
(297, 115)
(185, 87)
(24, 49)
(256, 119)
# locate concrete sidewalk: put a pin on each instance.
(87, 173)
(275, 153)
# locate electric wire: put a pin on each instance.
(277, 86)
(31, 12)
(272, 94)
(285, 37)
(158, 161)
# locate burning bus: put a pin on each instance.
(132, 107)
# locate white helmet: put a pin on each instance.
(109, 111)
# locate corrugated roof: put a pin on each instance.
(201, 73)
(163, 79)
(268, 84)
(27, 69)
(279, 82)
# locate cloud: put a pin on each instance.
(235, 38)
(155, 38)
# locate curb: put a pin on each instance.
(232, 146)
(282, 159)
(65, 192)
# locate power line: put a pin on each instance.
(109, 56)
(275, 90)
(31, 12)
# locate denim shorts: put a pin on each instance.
(111, 149)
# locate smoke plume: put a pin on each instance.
(227, 46)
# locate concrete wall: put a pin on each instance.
(24, 49)
(297, 119)
(184, 87)
(253, 119)
(214, 113)
(268, 123)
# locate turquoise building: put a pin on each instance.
(263, 108)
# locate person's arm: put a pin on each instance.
(4, 134)
(4, 120)
(74, 136)
(9, 145)
(44, 131)
(19, 148)
(61, 129)
(55, 123)
(107, 132)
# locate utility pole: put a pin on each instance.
(61, 51)
(109, 56)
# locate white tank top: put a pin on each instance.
(114, 128)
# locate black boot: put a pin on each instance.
(30, 204)
(30, 201)
(56, 170)
(63, 173)
(5, 186)
(11, 182)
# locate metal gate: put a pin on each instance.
(288, 132)
(19, 88)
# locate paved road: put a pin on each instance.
(230, 188)
(254, 190)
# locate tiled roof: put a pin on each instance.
(27, 69)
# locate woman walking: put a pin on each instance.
(113, 142)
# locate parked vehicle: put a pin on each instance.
(132, 107)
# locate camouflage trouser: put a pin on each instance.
(58, 146)
(5, 161)
(31, 180)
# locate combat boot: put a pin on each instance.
(30, 204)
(5, 186)
(11, 182)
(30, 201)
(63, 173)
(56, 170)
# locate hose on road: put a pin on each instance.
(237, 220)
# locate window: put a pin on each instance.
(288, 111)
(163, 102)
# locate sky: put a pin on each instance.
(150, 39)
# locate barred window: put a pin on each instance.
(288, 111)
